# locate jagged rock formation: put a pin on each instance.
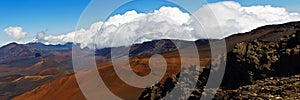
(274, 88)
(159, 90)
(260, 59)
(248, 64)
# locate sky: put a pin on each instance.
(53, 16)
(26, 18)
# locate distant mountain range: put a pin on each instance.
(51, 65)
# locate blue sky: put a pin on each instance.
(56, 16)
(61, 16)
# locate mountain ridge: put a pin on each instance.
(141, 52)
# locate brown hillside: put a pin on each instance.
(67, 88)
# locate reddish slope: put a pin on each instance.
(63, 89)
(67, 88)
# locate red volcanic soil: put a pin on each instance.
(67, 87)
(52, 71)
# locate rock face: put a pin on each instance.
(249, 68)
(279, 88)
(260, 59)
(159, 90)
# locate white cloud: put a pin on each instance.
(40, 36)
(133, 27)
(234, 18)
(82, 36)
(167, 22)
(15, 32)
(171, 23)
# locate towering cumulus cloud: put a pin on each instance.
(165, 23)
(171, 23)
(15, 32)
(131, 27)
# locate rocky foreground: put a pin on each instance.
(279, 88)
(255, 69)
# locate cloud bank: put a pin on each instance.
(15, 32)
(234, 18)
(131, 27)
(228, 17)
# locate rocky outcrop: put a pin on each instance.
(261, 59)
(159, 90)
(253, 71)
(273, 88)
